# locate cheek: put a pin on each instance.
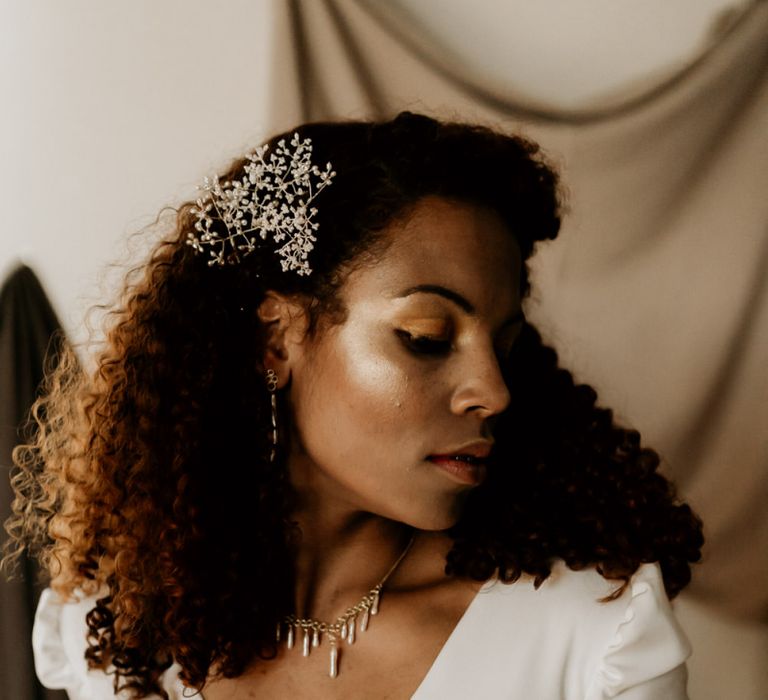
(355, 395)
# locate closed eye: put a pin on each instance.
(424, 344)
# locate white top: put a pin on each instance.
(513, 643)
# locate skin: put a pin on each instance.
(407, 374)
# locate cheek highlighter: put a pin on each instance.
(375, 380)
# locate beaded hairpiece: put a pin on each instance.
(272, 199)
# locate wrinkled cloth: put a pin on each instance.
(513, 643)
(559, 643)
(59, 644)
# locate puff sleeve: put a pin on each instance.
(646, 658)
(59, 644)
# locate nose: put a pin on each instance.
(480, 388)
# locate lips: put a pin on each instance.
(466, 465)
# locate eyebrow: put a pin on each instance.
(455, 297)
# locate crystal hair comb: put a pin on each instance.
(273, 200)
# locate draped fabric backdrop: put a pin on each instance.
(27, 323)
(657, 292)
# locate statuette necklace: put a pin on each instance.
(344, 628)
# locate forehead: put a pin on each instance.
(462, 246)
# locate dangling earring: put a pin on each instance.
(272, 388)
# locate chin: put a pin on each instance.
(436, 516)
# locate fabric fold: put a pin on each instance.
(59, 644)
(648, 642)
(54, 661)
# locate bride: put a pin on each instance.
(324, 455)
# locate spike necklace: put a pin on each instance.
(343, 629)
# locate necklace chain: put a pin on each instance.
(343, 628)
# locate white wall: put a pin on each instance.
(109, 111)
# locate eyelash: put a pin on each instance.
(423, 344)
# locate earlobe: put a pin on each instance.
(284, 322)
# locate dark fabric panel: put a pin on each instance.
(27, 323)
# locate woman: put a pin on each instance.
(320, 397)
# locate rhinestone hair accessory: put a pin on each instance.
(272, 200)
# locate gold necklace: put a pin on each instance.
(343, 628)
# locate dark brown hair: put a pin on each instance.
(148, 482)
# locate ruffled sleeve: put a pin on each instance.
(59, 644)
(646, 658)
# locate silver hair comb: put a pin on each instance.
(272, 200)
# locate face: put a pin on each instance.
(393, 408)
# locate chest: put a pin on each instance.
(388, 661)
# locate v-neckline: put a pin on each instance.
(450, 640)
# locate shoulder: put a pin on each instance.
(559, 641)
(59, 644)
(571, 596)
(616, 644)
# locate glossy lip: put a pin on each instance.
(469, 473)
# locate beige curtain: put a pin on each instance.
(657, 291)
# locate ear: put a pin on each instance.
(285, 327)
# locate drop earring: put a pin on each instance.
(272, 388)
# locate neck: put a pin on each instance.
(344, 550)
(341, 556)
